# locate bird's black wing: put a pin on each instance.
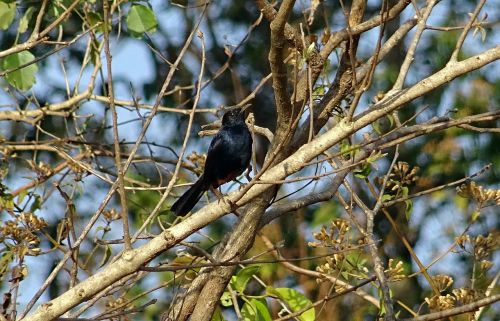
(215, 155)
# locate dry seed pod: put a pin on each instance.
(442, 281)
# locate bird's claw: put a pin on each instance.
(232, 205)
(247, 174)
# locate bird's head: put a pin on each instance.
(233, 117)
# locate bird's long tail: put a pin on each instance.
(188, 200)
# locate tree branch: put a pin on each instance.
(133, 260)
(456, 311)
(278, 68)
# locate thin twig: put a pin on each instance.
(37, 38)
(251, 261)
(437, 188)
(465, 31)
(191, 117)
(456, 311)
(116, 136)
(405, 67)
(234, 298)
(377, 261)
(318, 275)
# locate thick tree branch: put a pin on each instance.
(399, 136)
(342, 35)
(37, 38)
(239, 242)
(133, 260)
(342, 86)
(278, 68)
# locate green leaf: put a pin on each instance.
(376, 127)
(226, 300)
(475, 215)
(262, 309)
(295, 300)
(5, 260)
(409, 209)
(309, 50)
(37, 203)
(6, 202)
(381, 301)
(345, 148)
(4, 166)
(96, 18)
(141, 19)
(21, 196)
(375, 156)
(255, 310)
(319, 91)
(25, 20)
(391, 120)
(24, 78)
(363, 172)
(7, 14)
(240, 280)
(387, 197)
(405, 191)
(94, 52)
(217, 315)
(107, 256)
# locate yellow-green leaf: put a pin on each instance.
(295, 300)
(141, 19)
(240, 280)
(217, 315)
(255, 310)
(25, 20)
(7, 14)
(24, 78)
(226, 300)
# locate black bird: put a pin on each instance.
(228, 156)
